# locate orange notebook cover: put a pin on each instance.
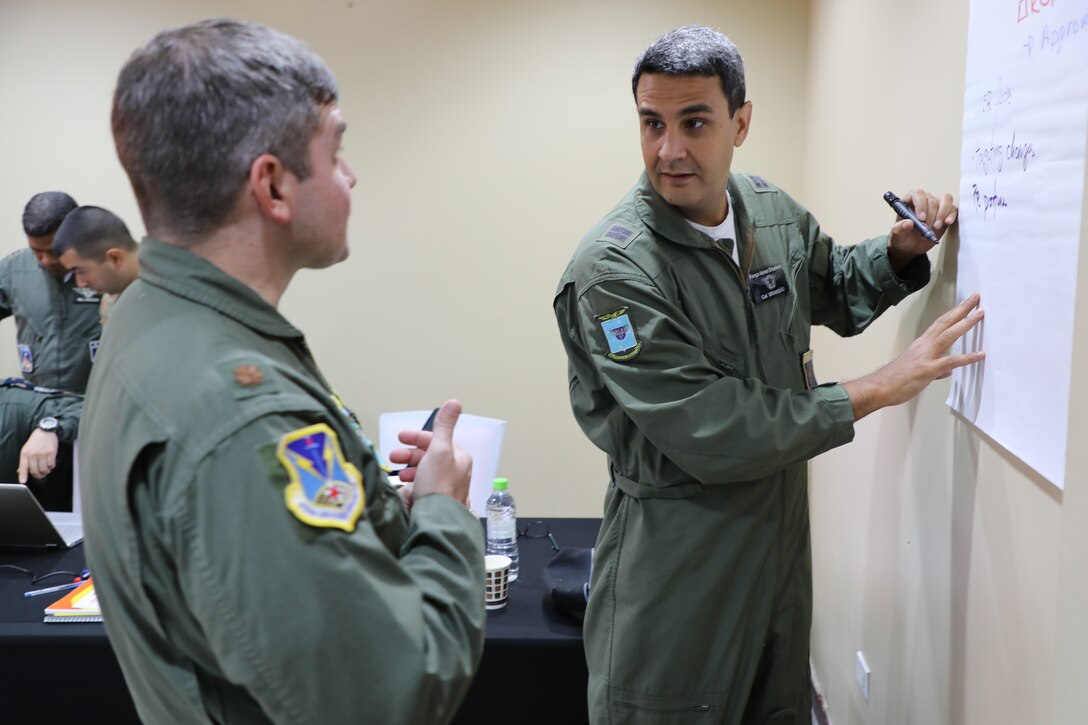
(81, 601)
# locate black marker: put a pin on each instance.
(905, 212)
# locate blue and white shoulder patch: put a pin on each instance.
(324, 490)
(620, 334)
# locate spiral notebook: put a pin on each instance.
(78, 605)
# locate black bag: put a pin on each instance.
(566, 581)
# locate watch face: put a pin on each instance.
(48, 424)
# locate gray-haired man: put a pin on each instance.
(252, 561)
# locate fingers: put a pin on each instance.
(937, 213)
(946, 212)
(407, 456)
(36, 465)
(438, 439)
(446, 420)
(957, 313)
(421, 438)
(950, 327)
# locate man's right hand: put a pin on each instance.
(435, 464)
(926, 360)
(38, 455)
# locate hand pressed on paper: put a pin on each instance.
(925, 360)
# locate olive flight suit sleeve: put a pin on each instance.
(850, 286)
(321, 624)
(66, 409)
(711, 421)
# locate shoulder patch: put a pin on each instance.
(619, 234)
(247, 378)
(324, 489)
(619, 333)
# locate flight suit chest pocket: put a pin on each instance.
(773, 292)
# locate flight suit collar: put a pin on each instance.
(188, 275)
(663, 218)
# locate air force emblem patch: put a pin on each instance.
(619, 332)
(324, 490)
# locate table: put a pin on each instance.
(533, 669)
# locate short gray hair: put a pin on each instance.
(695, 50)
(196, 105)
(45, 211)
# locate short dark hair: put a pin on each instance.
(695, 50)
(91, 231)
(45, 211)
(196, 105)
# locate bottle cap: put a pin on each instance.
(500, 484)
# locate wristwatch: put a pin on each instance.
(49, 424)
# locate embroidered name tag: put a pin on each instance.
(767, 283)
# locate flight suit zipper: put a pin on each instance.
(749, 312)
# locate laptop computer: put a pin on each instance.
(23, 522)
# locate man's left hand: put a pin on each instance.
(39, 455)
(904, 241)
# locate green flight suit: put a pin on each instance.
(57, 326)
(220, 475)
(687, 371)
(22, 405)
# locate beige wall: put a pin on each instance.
(488, 136)
(957, 570)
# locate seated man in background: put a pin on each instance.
(95, 245)
(56, 321)
(34, 423)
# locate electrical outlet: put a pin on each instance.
(861, 670)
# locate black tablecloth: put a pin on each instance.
(533, 669)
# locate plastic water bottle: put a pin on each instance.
(502, 525)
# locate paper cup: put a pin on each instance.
(496, 581)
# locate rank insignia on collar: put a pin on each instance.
(325, 490)
(619, 333)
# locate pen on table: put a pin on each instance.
(47, 590)
(428, 426)
(905, 212)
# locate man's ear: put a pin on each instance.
(115, 257)
(272, 186)
(743, 117)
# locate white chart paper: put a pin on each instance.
(1025, 123)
